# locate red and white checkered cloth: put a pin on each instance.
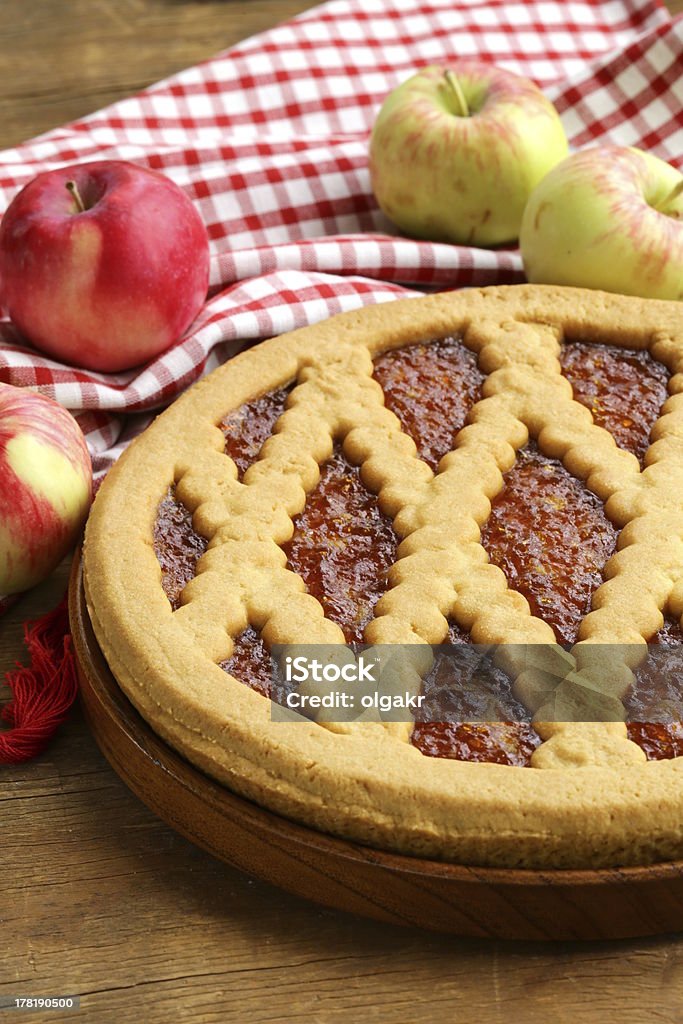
(270, 140)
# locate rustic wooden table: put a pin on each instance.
(99, 898)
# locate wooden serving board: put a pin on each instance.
(454, 898)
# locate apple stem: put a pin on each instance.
(72, 187)
(671, 198)
(462, 109)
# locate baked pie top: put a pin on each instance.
(501, 465)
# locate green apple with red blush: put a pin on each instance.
(456, 152)
(104, 264)
(45, 486)
(608, 217)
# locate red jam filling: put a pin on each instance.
(623, 389)
(659, 740)
(343, 547)
(246, 428)
(551, 538)
(508, 741)
(430, 388)
(250, 661)
(177, 546)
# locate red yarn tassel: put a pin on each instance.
(43, 692)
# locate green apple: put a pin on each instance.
(609, 217)
(456, 152)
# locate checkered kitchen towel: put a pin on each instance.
(270, 141)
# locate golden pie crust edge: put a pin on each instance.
(591, 799)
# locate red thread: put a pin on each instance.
(44, 691)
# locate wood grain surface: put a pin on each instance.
(99, 898)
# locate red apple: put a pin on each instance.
(103, 265)
(45, 486)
